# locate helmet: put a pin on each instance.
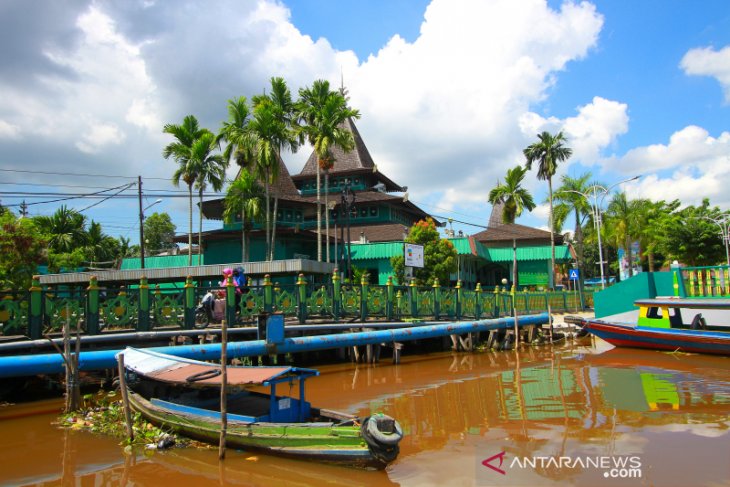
(227, 271)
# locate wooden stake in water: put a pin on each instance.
(125, 397)
(224, 384)
(514, 290)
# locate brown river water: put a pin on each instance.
(567, 415)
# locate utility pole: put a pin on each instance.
(141, 221)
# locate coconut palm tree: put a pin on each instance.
(622, 221)
(548, 152)
(512, 195)
(211, 170)
(185, 135)
(245, 197)
(322, 113)
(571, 200)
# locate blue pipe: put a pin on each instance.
(52, 363)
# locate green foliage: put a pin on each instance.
(21, 250)
(690, 237)
(439, 255)
(512, 195)
(103, 413)
(65, 230)
(158, 233)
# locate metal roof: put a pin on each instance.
(542, 252)
(291, 266)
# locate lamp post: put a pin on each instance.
(348, 201)
(594, 191)
(141, 229)
(724, 223)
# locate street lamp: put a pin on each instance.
(141, 229)
(724, 223)
(348, 201)
(596, 211)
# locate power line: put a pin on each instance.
(110, 196)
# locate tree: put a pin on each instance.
(99, 247)
(65, 230)
(159, 232)
(211, 170)
(512, 195)
(234, 132)
(571, 200)
(622, 224)
(652, 217)
(439, 255)
(548, 152)
(22, 249)
(245, 198)
(690, 238)
(322, 114)
(187, 171)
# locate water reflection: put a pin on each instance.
(456, 410)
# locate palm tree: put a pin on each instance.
(236, 134)
(323, 113)
(187, 171)
(548, 152)
(512, 195)
(622, 217)
(245, 197)
(211, 170)
(571, 200)
(284, 108)
(268, 132)
(66, 229)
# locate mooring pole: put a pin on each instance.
(125, 397)
(230, 296)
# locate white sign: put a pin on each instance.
(413, 255)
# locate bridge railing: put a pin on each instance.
(40, 312)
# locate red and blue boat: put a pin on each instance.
(671, 324)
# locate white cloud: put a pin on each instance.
(8, 130)
(594, 128)
(705, 61)
(99, 135)
(692, 166)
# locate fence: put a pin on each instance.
(702, 282)
(39, 311)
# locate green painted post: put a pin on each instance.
(231, 301)
(436, 298)
(478, 304)
(92, 307)
(565, 301)
(389, 298)
(412, 298)
(35, 316)
(527, 302)
(189, 315)
(268, 294)
(364, 291)
(398, 301)
(457, 308)
(497, 301)
(302, 299)
(336, 294)
(143, 308)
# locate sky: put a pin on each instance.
(450, 92)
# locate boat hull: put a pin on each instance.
(322, 442)
(694, 341)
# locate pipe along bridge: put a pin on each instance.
(275, 343)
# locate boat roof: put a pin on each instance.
(176, 370)
(677, 302)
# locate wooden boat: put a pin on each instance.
(662, 325)
(184, 396)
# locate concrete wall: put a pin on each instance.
(620, 297)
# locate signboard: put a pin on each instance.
(413, 255)
(574, 274)
(624, 264)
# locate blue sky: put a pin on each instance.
(450, 92)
